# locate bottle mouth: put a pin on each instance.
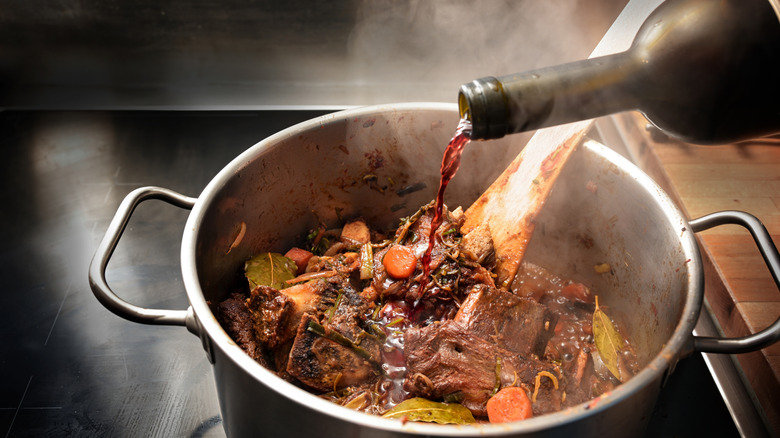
(482, 101)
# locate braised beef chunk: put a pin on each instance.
(347, 317)
(519, 325)
(270, 310)
(446, 360)
(278, 313)
(238, 322)
(324, 364)
(335, 349)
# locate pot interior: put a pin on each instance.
(382, 163)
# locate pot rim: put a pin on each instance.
(678, 346)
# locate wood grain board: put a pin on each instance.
(739, 287)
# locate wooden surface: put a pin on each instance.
(739, 287)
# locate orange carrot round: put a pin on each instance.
(400, 262)
(509, 404)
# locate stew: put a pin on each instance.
(350, 316)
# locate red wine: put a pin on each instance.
(449, 166)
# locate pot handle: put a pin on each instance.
(97, 267)
(769, 335)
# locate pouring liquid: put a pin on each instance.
(450, 164)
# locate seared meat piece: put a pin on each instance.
(237, 321)
(446, 360)
(348, 319)
(334, 349)
(312, 296)
(270, 310)
(519, 325)
(324, 364)
(278, 313)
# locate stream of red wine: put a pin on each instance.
(449, 166)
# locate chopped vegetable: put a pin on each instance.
(366, 261)
(509, 404)
(300, 257)
(239, 237)
(538, 382)
(317, 241)
(311, 276)
(399, 262)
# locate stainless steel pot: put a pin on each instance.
(382, 163)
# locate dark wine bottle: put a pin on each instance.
(704, 71)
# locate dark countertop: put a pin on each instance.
(71, 368)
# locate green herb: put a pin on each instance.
(608, 340)
(377, 331)
(317, 241)
(269, 269)
(332, 310)
(407, 222)
(398, 320)
(450, 231)
(420, 409)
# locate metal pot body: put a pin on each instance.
(381, 163)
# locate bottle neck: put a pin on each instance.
(551, 96)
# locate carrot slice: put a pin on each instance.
(300, 257)
(509, 404)
(400, 262)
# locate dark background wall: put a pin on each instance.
(264, 53)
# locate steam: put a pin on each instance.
(431, 47)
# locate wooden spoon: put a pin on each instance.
(508, 208)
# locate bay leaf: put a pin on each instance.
(608, 340)
(421, 409)
(269, 269)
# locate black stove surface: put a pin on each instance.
(68, 366)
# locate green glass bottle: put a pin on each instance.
(704, 71)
